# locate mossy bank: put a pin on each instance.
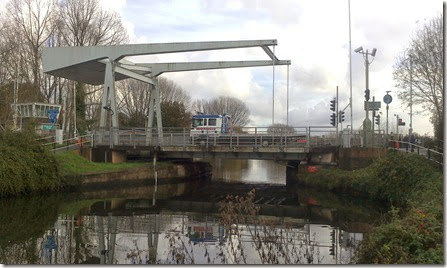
(411, 187)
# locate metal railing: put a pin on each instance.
(67, 144)
(296, 137)
(409, 147)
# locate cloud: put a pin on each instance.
(313, 34)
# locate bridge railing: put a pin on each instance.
(67, 143)
(409, 147)
(242, 137)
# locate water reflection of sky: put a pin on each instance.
(146, 238)
(249, 171)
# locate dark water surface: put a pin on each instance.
(181, 223)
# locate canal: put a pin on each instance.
(188, 222)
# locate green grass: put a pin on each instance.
(71, 163)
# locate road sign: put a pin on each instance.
(50, 243)
(52, 115)
(387, 99)
(372, 105)
(47, 127)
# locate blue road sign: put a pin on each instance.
(52, 115)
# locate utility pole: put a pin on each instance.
(350, 65)
(367, 121)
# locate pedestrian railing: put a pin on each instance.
(404, 146)
(67, 144)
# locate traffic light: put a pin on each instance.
(401, 123)
(333, 105)
(333, 119)
(378, 120)
(341, 116)
(367, 95)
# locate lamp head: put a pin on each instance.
(373, 53)
(357, 50)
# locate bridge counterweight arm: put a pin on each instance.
(159, 68)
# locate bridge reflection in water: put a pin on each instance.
(152, 238)
(184, 224)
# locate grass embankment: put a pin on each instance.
(412, 189)
(71, 163)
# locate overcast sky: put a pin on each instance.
(313, 34)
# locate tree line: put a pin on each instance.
(27, 26)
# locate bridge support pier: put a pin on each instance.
(292, 172)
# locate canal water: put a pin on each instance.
(188, 222)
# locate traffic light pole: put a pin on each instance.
(336, 116)
(372, 122)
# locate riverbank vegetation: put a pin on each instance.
(25, 166)
(411, 188)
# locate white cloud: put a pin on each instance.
(313, 34)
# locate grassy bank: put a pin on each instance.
(412, 189)
(71, 163)
(25, 166)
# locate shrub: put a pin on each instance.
(25, 166)
(407, 183)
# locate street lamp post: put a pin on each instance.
(366, 122)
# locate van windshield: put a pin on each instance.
(197, 122)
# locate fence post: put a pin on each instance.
(184, 139)
(308, 136)
(428, 154)
(231, 139)
(207, 138)
(134, 138)
(256, 137)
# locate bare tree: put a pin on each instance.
(134, 99)
(426, 57)
(86, 23)
(172, 92)
(280, 129)
(32, 22)
(133, 103)
(234, 107)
